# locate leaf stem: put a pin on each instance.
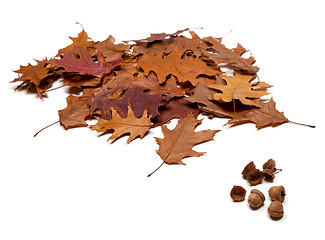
(156, 169)
(46, 127)
(302, 124)
(51, 89)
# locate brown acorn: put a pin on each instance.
(256, 199)
(277, 193)
(248, 168)
(275, 210)
(238, 193)
(268, 175)
(255, 177)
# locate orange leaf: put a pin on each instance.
(35, 75)
(184, 69)
(82, 40)
(130, 124)
(239, 87)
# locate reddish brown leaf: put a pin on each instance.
(151, 83)
(121, 97)
(177, 108)
(84, 64)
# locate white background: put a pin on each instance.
(73, 185)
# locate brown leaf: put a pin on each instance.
(239, 87)
(184, 69)
(151, 83)
(79, 81)
(164, 46)
(178, 143)
(176, 108)
(132, 125)
(35, 76)
(84, 64)
(158, 36)
(194, 44)
(262, 117)
(201, 95)
(82, 41)
(77, 110)
(231, 57)
(110, 50)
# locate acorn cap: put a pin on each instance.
(275, 210)
(249, 168)
(277, 193)
(270, 164)
(268, 174)
(238, 193)
(255, 177)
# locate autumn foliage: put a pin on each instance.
(136, 85)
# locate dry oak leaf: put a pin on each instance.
(184, 69)
(176, 108)
(231, 57)
(151, 83)
(178, 143)
(163, 46)
(240, 87)
(265, 116)
(158, 36)
(79, 81)
(132, 125)
(194, 44)
(82, 40)
(35, 75)
(85, 64)
(110, 50)
(120, 97)
(77, 110)
(201, 95)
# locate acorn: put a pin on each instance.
(238, 193)
(256, 199)
(275, 210)
(277, 193)
(255, 177)
(248, 168)
(268, 175)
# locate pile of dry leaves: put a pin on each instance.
(136, 85)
